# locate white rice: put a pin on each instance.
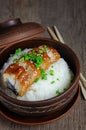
(45, 89)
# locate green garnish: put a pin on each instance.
(17, 51)
(52, 82)
(36, 80)
(51, 72)
(58, 92)
(22, 59)
(43, 74)
(40, 51)
(33, 51)
(37, 65)
(44, 48)
(42, 71)
(26, 56)
(15, 60)
(32, 57)
(38, 61)
(57, 78)
(52, 66)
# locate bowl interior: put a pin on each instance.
(64, 50)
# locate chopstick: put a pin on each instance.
(58, 34)
(82, 78)
(82, 89)
(82, 81)
(52, 34)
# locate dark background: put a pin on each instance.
(70, 18)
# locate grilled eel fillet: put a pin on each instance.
(21, 75)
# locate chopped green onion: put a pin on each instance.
(40, 51)
(44, 48)
(42, 71)
(58, 92)
(57, 78)
(22, 59)
(52, 82)
(15, 60)
(37, 65)
(32, 57)
(17, 51)
(26, 56)
(51, 72)
(33, 51)
(38, 61)
(43, 74)
(36, 58)
(36, 80)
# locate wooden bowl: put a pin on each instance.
(49, 106)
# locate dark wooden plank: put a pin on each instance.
(70, 18)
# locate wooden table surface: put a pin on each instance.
(70, 17)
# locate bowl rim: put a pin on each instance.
(41, 102)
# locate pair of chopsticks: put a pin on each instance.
(57, 36)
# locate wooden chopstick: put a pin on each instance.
(82, 78)
(82, 89)
(82, 81)
(58, 34)
(52, 34)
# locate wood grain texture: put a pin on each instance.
(70, 17)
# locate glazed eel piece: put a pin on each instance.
(20, 75)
